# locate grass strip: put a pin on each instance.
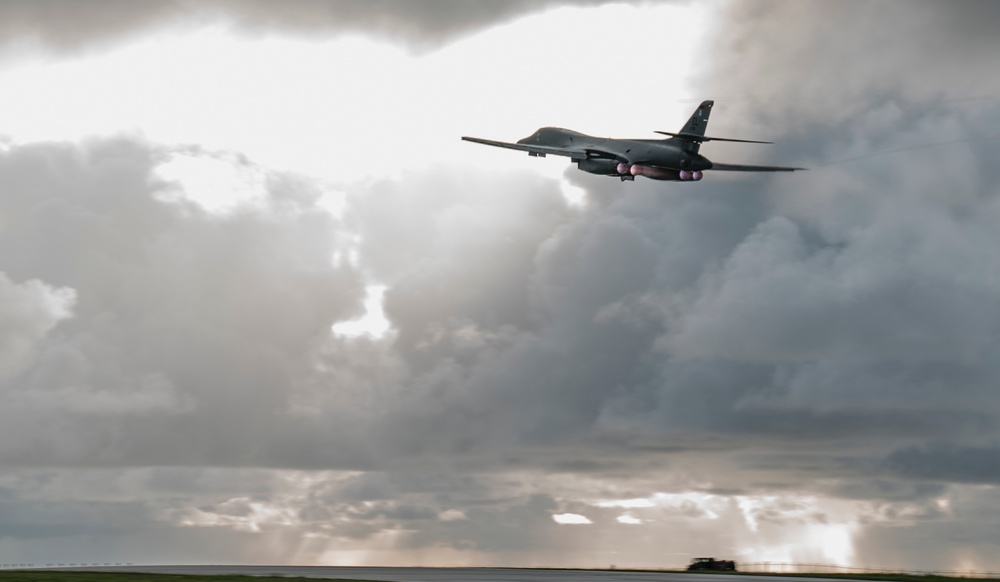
(74, 576)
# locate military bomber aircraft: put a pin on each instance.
(675, 158)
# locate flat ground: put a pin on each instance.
(73, 576)
(36, 575)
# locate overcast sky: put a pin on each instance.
(260, 304)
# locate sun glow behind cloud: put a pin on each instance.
(373, 323)
(216, 184)
(352, 108)
(571, 519)
(775, 528)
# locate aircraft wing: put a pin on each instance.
(532, 149)
(742, 168)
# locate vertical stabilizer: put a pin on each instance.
(699, 119)
(696, 124)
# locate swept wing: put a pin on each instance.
(742, 168)
(538, 150)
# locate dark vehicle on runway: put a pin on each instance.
(712, 564)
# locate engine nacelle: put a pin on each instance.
(627, 171)
(658, 173)
(598, 166)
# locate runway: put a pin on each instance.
(455, 574)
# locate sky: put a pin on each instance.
(259, 304)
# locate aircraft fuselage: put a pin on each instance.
(658, 159)
(676, 158)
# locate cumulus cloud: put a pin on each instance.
(28, 312)
(178, 312)
(867, 288)
(533, 336)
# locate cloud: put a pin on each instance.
(417, 23)
(28, 312)
(772, 355)
(946, 462)
(760, 310)
(180, 315)
(571, 519)
(861, 292)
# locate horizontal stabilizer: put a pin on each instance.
(701, 138)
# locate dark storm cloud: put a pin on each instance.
(68, 24)
(841, 326)
(23, 519)
(887, 489)
(920, 73)
(947, 462)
